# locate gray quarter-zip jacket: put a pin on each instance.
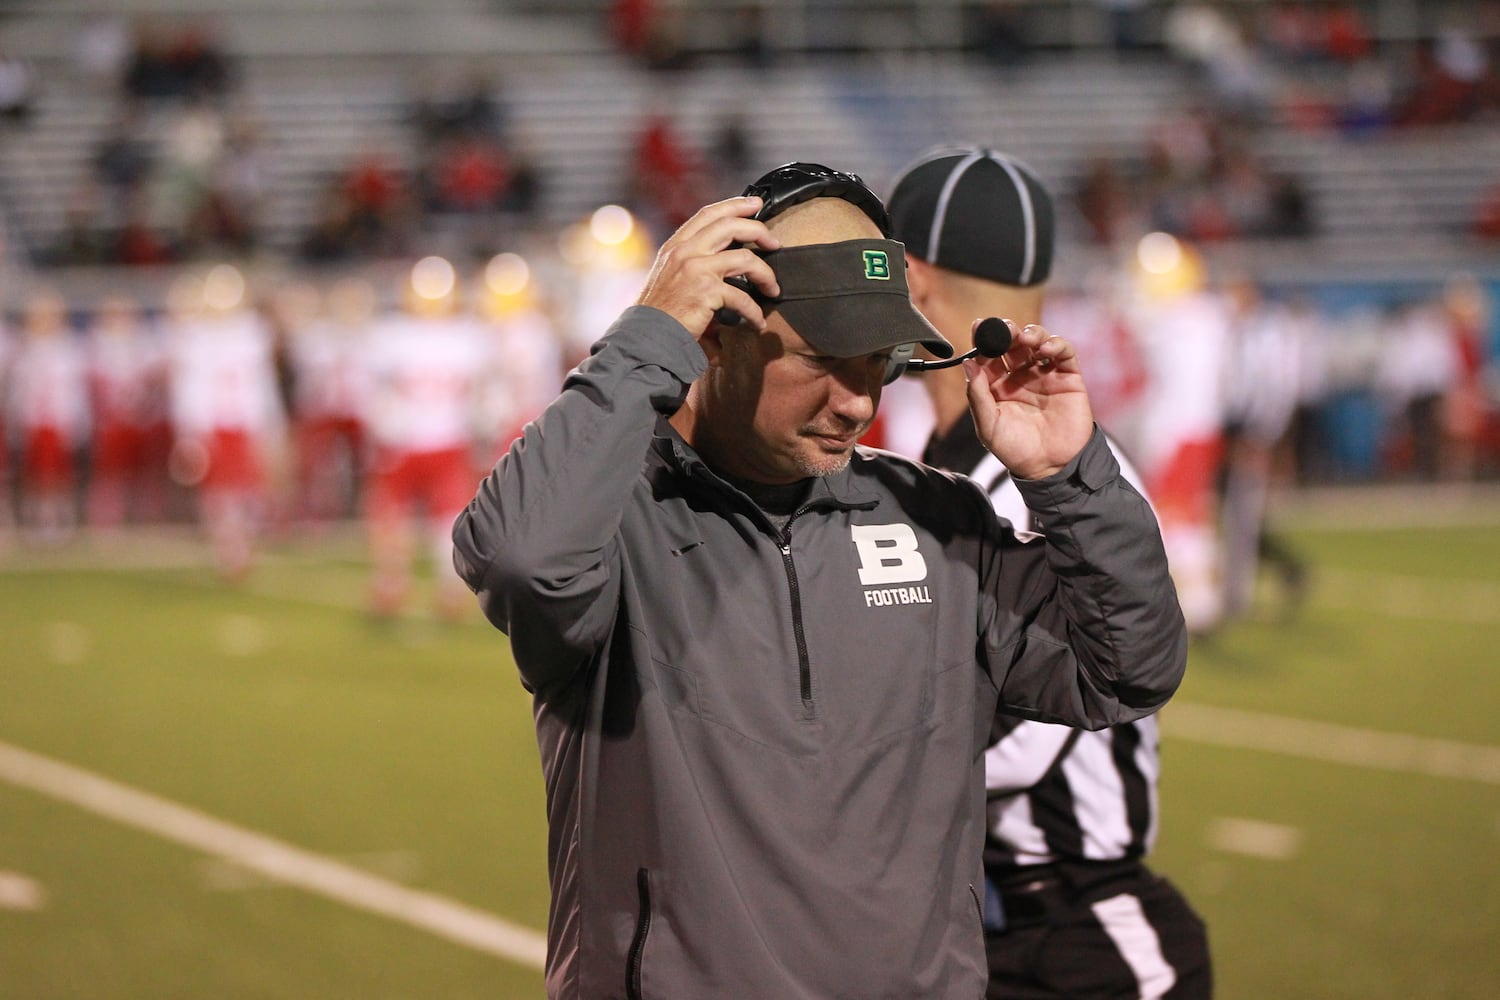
(763, 749)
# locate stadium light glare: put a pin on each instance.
(1158, 253)
(507, 274)
(433, 278)
(611, 225)
(223, 288)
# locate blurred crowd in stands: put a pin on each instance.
(183, 171)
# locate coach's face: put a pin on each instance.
(778, 410)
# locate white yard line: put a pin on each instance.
(1332, 743)
(274, 859)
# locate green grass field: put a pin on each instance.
(1331, 800)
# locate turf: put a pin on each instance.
(407, 750)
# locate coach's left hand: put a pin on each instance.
(1030, 406)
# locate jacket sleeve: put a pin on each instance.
(538, 543)
(1086, 629)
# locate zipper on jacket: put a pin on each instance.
(638, 943)
(804, 665)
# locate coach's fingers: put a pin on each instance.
(1033, 347)
(724, 223)
(704, 268)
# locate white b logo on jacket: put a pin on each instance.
(888, 555)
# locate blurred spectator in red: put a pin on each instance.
(1105, 200)
(372, 184)
(1346, 37)
(1293, 31)
(641, 29)
(185, 63)
(139, 242)
(470, 174)
(366, 211)
(666, 176)
(1487, 213)
(198, 60)
(1451, 81)
(631, 23)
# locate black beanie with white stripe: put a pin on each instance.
(975, 211)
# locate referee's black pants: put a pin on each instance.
(1113, 931)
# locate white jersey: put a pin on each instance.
(127, 374)
(49, 387)
(600, 298)
(1263, 376)
(424, 374)
(333, 380)
(1420, 332)
(1112, 359)
(224, 377)
(526, 371)
(1186, 342)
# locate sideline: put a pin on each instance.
(274, 859)
(1331, 743)
(1374, 506)
(1422, 597)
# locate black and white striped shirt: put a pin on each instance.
(1057, 793)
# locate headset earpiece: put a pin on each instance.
(791, 184)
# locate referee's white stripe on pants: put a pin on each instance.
(1125, 922)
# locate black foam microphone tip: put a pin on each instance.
(992, 337)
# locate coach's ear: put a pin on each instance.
(712, 340)
(919, 280)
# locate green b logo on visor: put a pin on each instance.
(877, 266)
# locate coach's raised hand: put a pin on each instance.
(687, 279)
(1030, 406)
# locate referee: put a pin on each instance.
(1071, 910)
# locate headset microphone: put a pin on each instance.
(991, 339)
